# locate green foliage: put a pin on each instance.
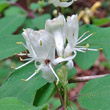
(44, 94)
(39, 21)
(9, 24)
(26, 91)
(102, 21)
(7, 1)
(14, 10)
(3, 6)
(95, 95)
(15, 104)
(9, 46)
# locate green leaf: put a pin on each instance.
(72, 107)
(3, 6)
(9, 47)
(95, 95)
(44, 94)
(7, 1)
(10, 24)
(86, 60)
(101, 21)
(14, 10)
(55, 103)
(39, 21)
(71, 73)
(15, 104)
(26, 91)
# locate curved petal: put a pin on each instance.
(47, 74)
(70, 64)
(26, 35)
(57, 28)
(72, 30)
(57, 3)
(60, 59)
(43, 44)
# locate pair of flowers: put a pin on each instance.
(42, 44)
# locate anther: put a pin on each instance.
(12, 67)
(100, 49)
(23, 80)
(87, 32)
(18, 42)
(20, 59)
(36, 71)
(87, 45)
(57, 82)
(40, 42)
(92, 33)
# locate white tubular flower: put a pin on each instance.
(40, 45)
(60, 3)
(72, 36)
(62, 29)
(57, 28)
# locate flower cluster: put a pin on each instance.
(60, 35)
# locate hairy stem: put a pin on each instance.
(59, 94)
(85, 78)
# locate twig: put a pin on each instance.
(85, 78)
(59, 94)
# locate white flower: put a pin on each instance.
(62, 3)
(41, 47)
(57, 28)
(62, 30)
(72, 36)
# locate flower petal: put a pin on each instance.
(43, 44)
(72, 29)
(47, 74)
(26, 35)
(57, 28)
(70, 64)
(57, 3)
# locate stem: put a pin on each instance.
(65, 97)
(58, 9)
(85, 78)
(59, 94)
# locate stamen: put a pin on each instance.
(85, 38)
(21, 54)
(33, 73)
(29, 77)
(79, 49)
(54, 72)
(24, 64)
(82, 36)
